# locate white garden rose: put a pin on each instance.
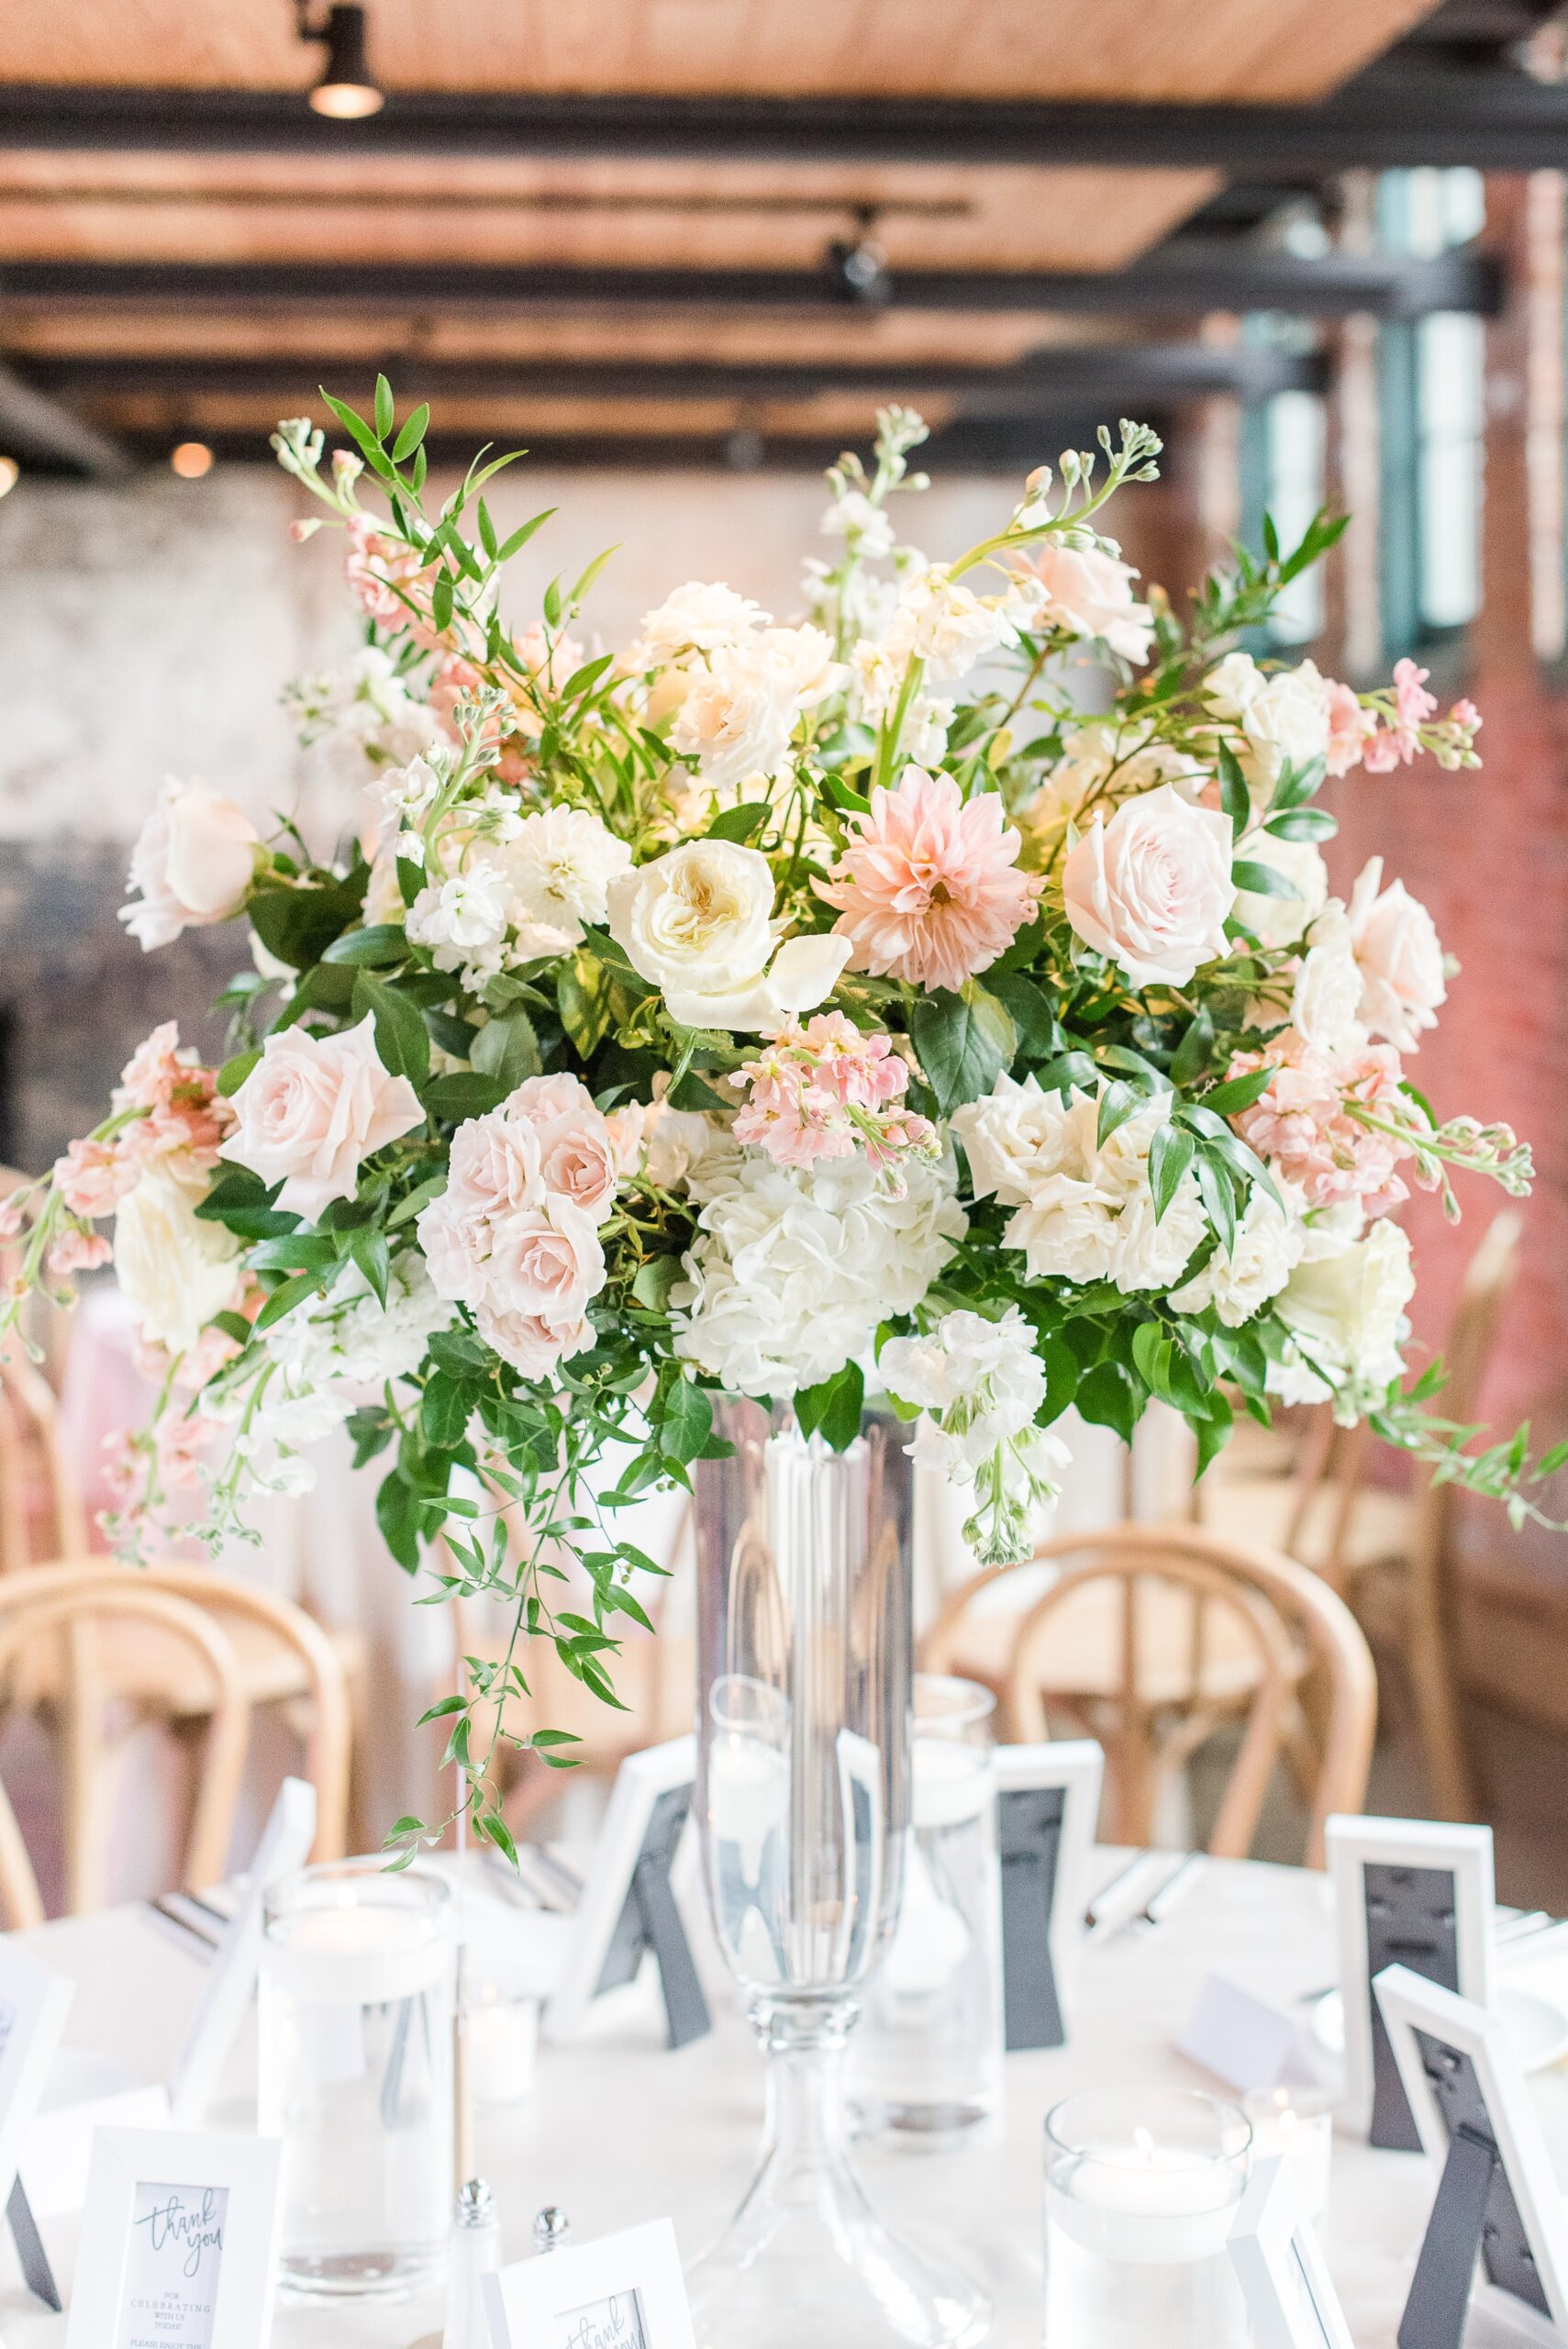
(741, 706)
(1237, 1281)
(698, 618)
(1232, 686)
(697, 924)
(1151, 889)
(1348, 1313)
(1286, 723)
(791, 1270)
(192, 864)
(175, 1271)
(1088, 591)
(1399, 958)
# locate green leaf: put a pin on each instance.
(284, 1299)
(507, 1049)
(384, 407)
(1302, 824)
(590, 574)
(410, 879)
(1170, 1154)
(1195, 1050)
(1219, 1199)
(583, 999)
(1234, 796)
(298, 925)
(372, 1430)
(688, 1422)
(1239, 1093)
(441, 593)
(1107, 1399)
(832, 1408)
(463, 1096)
(524, 532)
(402, 1043)
(1117, 1103)
(368, 1248)
(233, 1073)
(296, 1252)
(1067, 1071)
(444, 1411)
(964, 1041)
(1261, 880)
(1297, 785)
(739, 823)
(655, 1281)
(382, 942)
(394, 1516)
(420, 1197)
(1028, 1007)
(412, 432)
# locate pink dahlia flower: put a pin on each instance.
(930, 890)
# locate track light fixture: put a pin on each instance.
(857, 270)
(346, 88)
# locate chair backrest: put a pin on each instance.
(1284, 1627)
(44, 1600)
(41, 1514)
(328, 1734)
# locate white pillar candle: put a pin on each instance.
(503, 2041)
(952, 1782)
(1149, 2204)
(1297, 2124)
(748, 1794)
(354, 1952)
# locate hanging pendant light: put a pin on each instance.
(346, 89)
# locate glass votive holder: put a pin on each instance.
(1141, 2187)
(501, 2023)
(355, 2007)
(1296, 2124)
(925, 2062)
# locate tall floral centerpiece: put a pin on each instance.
(769, 1008)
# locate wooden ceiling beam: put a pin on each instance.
(1184, 277)
(1407, 111)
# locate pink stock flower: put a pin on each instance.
(928, 891)
(10, 1218)
(180, 1446)
(375, 567)
(78, 1252)
(1303, 1126)
(817, 1091)
(1350, 728)
(1465, 714)
(1412, 703)
(93, 1177)
(1389, 748)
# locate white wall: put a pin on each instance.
(149, 629)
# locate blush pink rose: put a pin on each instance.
(1090, 592)
(546, 1262)
(579, 1156)
(1151, 889)
(192, 865)
(494, 1167)
(312, 1108)
(1399, 957)
(530, 1345)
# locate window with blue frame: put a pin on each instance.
(1282, 452)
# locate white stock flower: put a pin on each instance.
(559, 864)
(1325, 1004)
(1274, 920)
(362, 714)
(175, 1269)
(697, 924)
(343, 1351)
(192, 865)
(697, 618)
(791, 1269)
(1269, 1245)
(742, 706)
(1347, 1312)
(1399, 958)
(1151, 889)
(463, 921)
(869, 528)
(941, 622)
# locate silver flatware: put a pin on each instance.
(192, 1937)
(1096, 1910)
(1159, 1903)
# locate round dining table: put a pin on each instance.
(617, 2131)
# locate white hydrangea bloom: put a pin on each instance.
(341, 1352)
(791, 1270)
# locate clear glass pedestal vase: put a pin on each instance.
(804, 1674)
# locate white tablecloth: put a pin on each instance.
(620, 2131)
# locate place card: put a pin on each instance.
(1290, 2295)
(628, 1908)
(1498, 2201)
(625, 2291)
(34, 2004)
(1413, 1893)
(179, 2242)
(283, 1848)
(1048, 1804)
(1245, 2040)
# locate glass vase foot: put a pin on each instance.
(806, 2259)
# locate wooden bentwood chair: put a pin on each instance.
(1150, 1638)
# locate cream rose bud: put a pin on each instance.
(312, 1108)
(1151, 889)
(1347, 1311)
(697, 924)
(1399, 959)
(175, 1269)
(192, 865)
(1090, 592)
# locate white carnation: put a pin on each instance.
(1239, 1280)
(791, 1270)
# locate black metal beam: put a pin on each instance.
(1121, 370)
(1408, 110)
(1184, 278)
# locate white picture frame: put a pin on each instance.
(197, 2196)
(543, 2303)
(1354, 1843)
(1290, 2295)
(1411, 2005)
(641, 1779)
(1077, 1766)
(35, 2004)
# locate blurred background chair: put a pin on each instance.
(1392, 1555)
(1153, 1639)
(97, 1686)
